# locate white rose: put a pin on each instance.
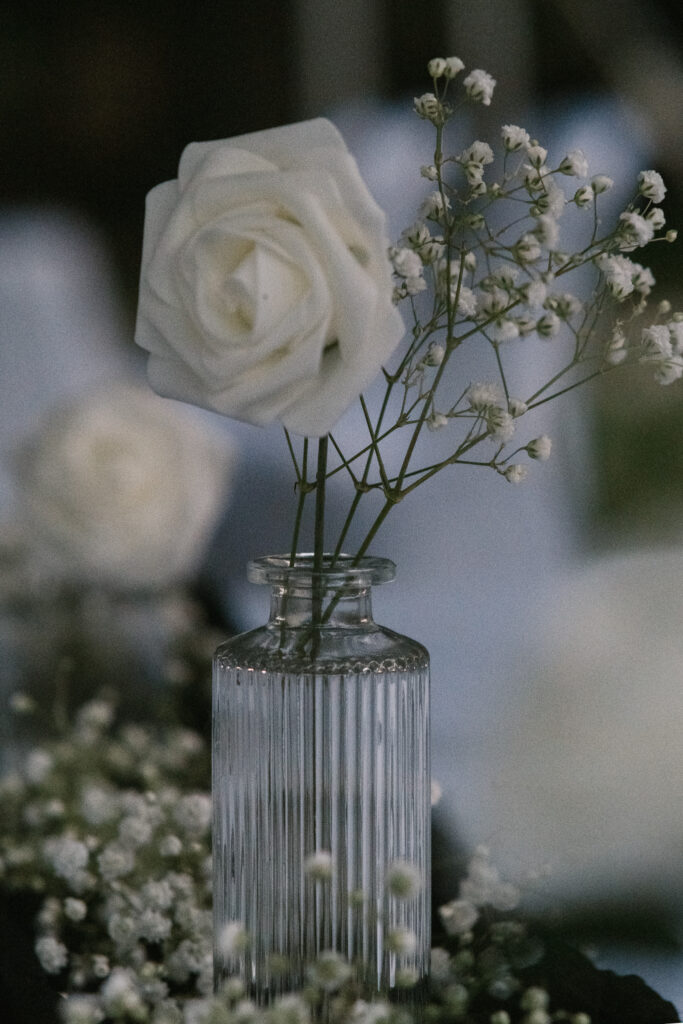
(265, 290)
(124, 489)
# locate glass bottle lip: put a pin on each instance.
(276, 569)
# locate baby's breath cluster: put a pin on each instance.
(491, 258)
(487, 264)
(109, 826)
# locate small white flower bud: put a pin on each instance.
(170, 846)
(403, 880)
(656, 218)
(233, 939)
(429, 108)
(500, 423)
(479, 86)
(514, 137)
(436, 67)
(584, 196)
(548, 325)
(540, 448)
(233, 989)
(407, 977)
(436, 421)
(432, 251)
(534, 998)
(458, 916)
(429, 172)
(434, 206)
(537, 155)
(100, 965)
(435, 354)
(516, 473)
(516, 407)
(414, 285)
(330, 970)
(537, 1017)
(318, 866)
(601, 183)
(75, 909)
(574, 164)
(671, 235)
(401, 941)
(453, 67)
(406, 262)
(547, 230)
(651, 185)
(527, 249)
(417, 235)
(664, 307)
(482, 396)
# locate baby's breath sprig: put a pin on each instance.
(119, 854)
(485, 264)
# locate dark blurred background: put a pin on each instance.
(98, 99)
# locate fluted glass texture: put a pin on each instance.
(320, 742)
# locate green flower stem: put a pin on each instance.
(319, 529)
(499, 361)
(362, 486)
(347, 523)
(570, 387)
(319, 539)
(457, 457)
(534, 400)
(372, 532)
(375, 447)
(304, 488)
(344, 461)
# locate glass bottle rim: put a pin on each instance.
(276, 569)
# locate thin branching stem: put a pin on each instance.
(303, 488)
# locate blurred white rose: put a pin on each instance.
(265, 291)
(123, 489)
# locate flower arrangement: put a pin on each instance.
(118, 496)
(270, 292)
(265, 295)
(107, 828)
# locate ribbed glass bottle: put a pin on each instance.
(320, 743)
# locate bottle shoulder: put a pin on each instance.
(371, 648)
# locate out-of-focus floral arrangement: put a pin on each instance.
(108, 826)
(119, 494)
(120, 490)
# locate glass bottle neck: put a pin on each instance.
(342, 606)
(335, 595)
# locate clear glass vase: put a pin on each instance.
(320, 743)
